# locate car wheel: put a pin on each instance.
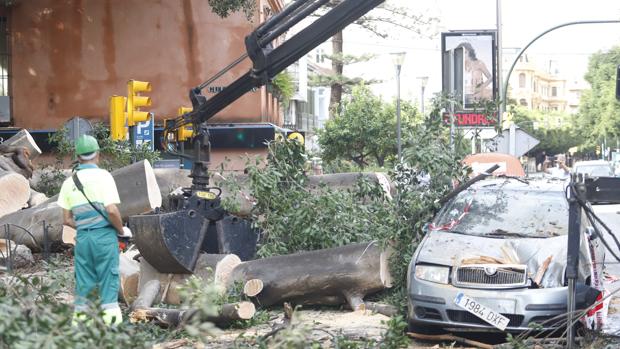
(425, 329)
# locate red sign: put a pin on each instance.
(464, 119)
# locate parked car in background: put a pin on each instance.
(594, 168)
(494, 258)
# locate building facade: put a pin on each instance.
(62, 59)
(308, 110)
(545, 90)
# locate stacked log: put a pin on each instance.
(138, 191)
(15, 169)
(325, 277)
(14, 192)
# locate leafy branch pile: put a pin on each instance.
(294, 217)
(35, 314)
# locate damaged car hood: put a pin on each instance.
(450, 249)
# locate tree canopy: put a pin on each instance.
(225, 8)
(554, 129)
(599, 113)
(364, 130)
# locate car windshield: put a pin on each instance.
(500, 212)
(595, 170)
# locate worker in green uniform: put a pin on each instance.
(90, 207)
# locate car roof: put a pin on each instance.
(592, 162)
(542, 184)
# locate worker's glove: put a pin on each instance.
(126, 233)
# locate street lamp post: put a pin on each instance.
(398, 59)
(423, 83)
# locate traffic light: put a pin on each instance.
(598, 150)
(135, 101)
(118, 129)
(186, 132)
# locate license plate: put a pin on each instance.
(483, 312)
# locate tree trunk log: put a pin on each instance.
(170, 179)
(23, 139)
(227, 313)
(14, 192)
(36, 198)
(343, 273)
(209, 267)
(240, 192)
(147, 296)
(129, 272)
(137, 189)
(337, 69)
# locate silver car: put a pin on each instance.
(594, 168)
(501, 246)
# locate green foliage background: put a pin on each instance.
(599, 112)
(296, 218)
(364, 131)
(553, 140)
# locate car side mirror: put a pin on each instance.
(591, 232)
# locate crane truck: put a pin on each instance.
(172, 241)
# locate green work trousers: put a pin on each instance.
(96, 266)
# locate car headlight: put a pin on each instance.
(432, 273)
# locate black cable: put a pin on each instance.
(590, 212)
(591, 218)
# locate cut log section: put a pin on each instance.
(23, 139)
(147, 296)
(170, 179)
(137, 189)
(214, 268)
(14, 192)
(345, 273)
(36, 198)
(227, 313)
(253, 287)
(129, 272)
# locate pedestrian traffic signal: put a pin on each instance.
(135, 101)
(118, 127)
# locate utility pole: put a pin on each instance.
(502, 104)
(398, 59)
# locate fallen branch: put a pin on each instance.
(147, 295)
(173, 318)
(449, 337)
(379, 308)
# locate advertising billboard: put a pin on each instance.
(470, 73)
